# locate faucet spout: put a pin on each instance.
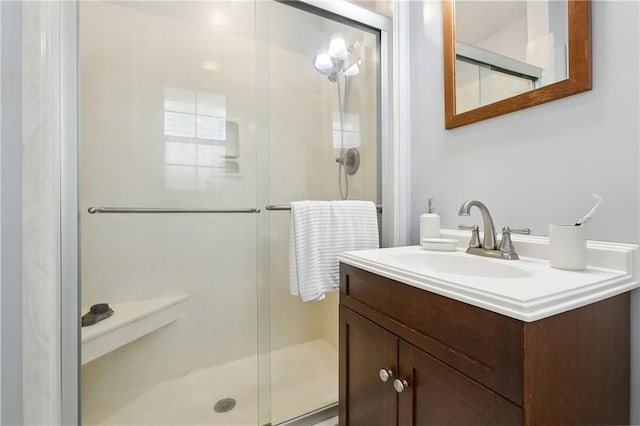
(489, 239)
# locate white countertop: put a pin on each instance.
(541, 292)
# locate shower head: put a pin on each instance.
(339, 59)
(337, 48)
(323, 63)
(351, 67)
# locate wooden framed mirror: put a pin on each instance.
(487, 73)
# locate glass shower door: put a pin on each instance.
(197, 118)
(323, 109)
(168, 220)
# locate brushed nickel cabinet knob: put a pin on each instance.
(385, 374)
(400, 385)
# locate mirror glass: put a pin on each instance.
(506, 48)
(507, 55)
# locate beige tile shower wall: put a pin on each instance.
(127, 59)
(296, 102)
(303, 107)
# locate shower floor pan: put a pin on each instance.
(303, 378)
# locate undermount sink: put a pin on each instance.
(459, 264)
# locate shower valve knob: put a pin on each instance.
(385, 374)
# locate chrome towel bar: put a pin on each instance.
(93, 210)
(271, 207)
(278, 207)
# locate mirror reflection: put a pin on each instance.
(506, 48)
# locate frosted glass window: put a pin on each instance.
(179, 124)
(192, 114)
(211, 128)
(195, 128)
(179, 100)
(351, 140)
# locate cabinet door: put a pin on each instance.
(365, 348)
(439, 395)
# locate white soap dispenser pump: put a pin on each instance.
(429, 223)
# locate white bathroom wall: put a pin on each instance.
(539, 165)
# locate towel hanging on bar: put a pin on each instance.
(319, 231)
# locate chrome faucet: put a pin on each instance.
(489, 247)
(489, 240)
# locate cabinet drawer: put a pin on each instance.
(481, 344)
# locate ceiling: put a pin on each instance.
(478, 19)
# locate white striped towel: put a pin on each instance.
(318, 232)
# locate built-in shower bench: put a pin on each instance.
(130, 321)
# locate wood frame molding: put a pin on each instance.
(579, 78)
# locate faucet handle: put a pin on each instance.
(474, 242)
(507, 230)
(506, 245)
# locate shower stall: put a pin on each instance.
(199, 122)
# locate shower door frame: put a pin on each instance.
(393, 223)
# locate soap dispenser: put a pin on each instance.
(429, 223)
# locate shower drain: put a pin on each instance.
(224, 405)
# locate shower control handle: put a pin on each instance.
(400, 385)
(385, 374)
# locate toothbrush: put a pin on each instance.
(587, 217)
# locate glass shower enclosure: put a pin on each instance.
(199, 123)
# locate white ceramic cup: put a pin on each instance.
(568, 247)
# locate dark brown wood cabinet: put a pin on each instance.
(370, 349)
(439, 395)
(466, 365)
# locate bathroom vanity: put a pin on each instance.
(420, 346)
